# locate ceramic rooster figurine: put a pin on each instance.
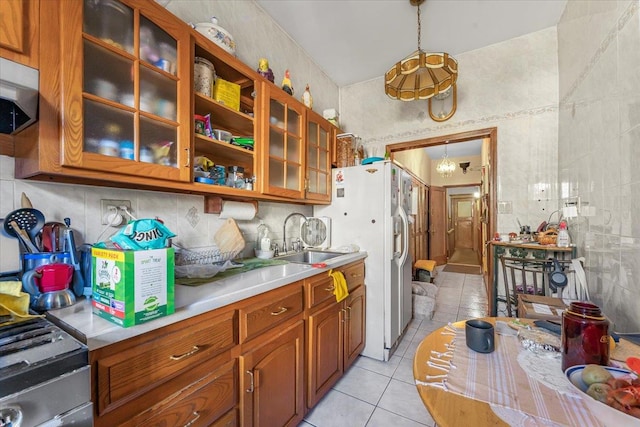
(307, 99)
(286, 83)
(264, 70)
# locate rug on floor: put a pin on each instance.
(465, 269)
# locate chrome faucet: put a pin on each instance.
(284, 229)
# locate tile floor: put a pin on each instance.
(374, 393)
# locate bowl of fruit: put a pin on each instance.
(613, 394)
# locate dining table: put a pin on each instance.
(510, 386)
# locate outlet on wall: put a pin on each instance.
(110, 207)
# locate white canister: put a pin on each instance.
(203, 76)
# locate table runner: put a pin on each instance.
(497, 378)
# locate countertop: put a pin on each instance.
(190, 301)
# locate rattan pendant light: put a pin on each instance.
(421, 75)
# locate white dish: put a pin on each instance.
(609, 416)
(264, 254)
(217, 34)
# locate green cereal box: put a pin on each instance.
(133, 287)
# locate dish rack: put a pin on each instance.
(206, 255)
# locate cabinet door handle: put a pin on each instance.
(188, 158)
(193, 350)
(356, 275)
(279, 312)
(330, 288)
(250, 389)
(344, 315)
(196, 415)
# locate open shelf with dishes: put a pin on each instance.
(224, 100)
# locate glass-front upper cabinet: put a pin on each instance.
(318, 161)
(283, 165)
(126, 89)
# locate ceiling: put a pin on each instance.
(358, 40)
(456, 149)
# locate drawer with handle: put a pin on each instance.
(354, 274)
(133, 371)
(263, 312)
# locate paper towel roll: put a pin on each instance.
(238, 210)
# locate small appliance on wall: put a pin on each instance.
(315, 232)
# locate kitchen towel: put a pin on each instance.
(238, 210)
(340, 289)
(498, 379)
(14, 304)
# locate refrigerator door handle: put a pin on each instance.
(405, 236)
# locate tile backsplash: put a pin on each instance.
(182, 214)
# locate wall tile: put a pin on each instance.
(598, 146)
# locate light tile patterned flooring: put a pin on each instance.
(374, 393)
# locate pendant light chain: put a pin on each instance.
(419, 29)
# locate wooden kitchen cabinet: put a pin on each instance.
(139, 378)
(272, 378)
(201, 403)
(272, 359)
(335, 331)
(19, 31)
(318, 159)
(114, 95)
(283, 143)
(240, 122)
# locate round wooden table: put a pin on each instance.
(450, 409)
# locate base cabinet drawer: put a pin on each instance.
(265, 312)
(201, 403)
(354, 274)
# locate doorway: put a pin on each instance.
(464, 230)
(438, 230)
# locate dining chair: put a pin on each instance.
(528, 276)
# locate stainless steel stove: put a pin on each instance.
(44, 376)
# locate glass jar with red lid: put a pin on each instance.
(585, 336)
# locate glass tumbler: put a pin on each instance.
(585, 336)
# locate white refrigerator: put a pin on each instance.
(369, 209)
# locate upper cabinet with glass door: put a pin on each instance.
(318, 161)
(126, 89)
(284, 149)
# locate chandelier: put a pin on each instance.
(445, 167)
(423, 75)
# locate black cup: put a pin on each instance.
(480, 336)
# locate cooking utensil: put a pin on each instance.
(25, 202)
(28, 219)
(50, 236)
(77, 284)
(21, 235)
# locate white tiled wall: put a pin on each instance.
(599, 134)
(511, 85)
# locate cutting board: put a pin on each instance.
(228, 238)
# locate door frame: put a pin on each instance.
(491, 176)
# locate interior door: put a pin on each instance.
(438, 225)
(463, 222)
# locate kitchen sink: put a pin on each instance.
(309, 256)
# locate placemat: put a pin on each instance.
(497, 379)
